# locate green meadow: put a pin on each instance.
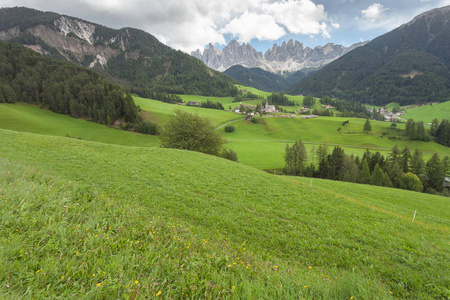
(260, 145)
(427, 113)
(29, 118)
(91, 220)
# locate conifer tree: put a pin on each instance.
(365, 172)
(295, 158)
(417, 165)
(367, 126)
(435, 174)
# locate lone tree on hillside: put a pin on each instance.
(367, 126)
(191, 132)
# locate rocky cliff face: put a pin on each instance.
(289, 57)
(131, 57)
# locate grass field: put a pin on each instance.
(89, 220)
(262, 145)
(160, 112)
(427, 113)
(259, 145)
(28, 118)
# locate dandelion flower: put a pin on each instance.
(38, 271)
(136, 281)
(158, 293)
(99, 284)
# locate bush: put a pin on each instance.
(410, 181)
(229, 154)
(147, 127)
(229, 128)
(254, 120)
(191, 132)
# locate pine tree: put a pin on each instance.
(295, 158)
(435, 174)
(367, 126)
(417, 165)
(404, 160)
(434, 126)
(365, 172)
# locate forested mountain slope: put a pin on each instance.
(407, 65)
(62, 87)
(129, 56)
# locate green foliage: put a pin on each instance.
(63, 88)
(279, 99)
(211, 104)
(367, 126)
(309, 101)
(365, 172)
(295, 157)
(254, 120)
(229, 128)
(191, 132)
(410, 181)
(147, 127)
(229, 154)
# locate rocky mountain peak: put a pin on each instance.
(290, 56)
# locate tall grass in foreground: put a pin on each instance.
(65, 240)
(187, 224)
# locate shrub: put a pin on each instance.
(229, 154)
(147, 127)
(254, 120)
(229, 128)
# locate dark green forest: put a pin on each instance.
(64, 88)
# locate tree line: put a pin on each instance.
(403, 168)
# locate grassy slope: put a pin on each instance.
(28, 118)
(145, 220)
(427, 113)
(160, 111)
(259, 145)
(262, 145)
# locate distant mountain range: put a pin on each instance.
(128, 56)
(289, 57)
(410, 64)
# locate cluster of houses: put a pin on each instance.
(388, 115)
(251, 109)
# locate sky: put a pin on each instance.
(189, 25)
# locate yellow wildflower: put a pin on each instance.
(158, 293)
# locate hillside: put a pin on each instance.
(129, 56)
(130, 221)
(407, 65)
(427, 113)
(30, 118)
(26, 76)
(264, 80)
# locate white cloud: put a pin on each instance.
(189, 25)
(249, 26)
(299, 17)
(374, 13)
